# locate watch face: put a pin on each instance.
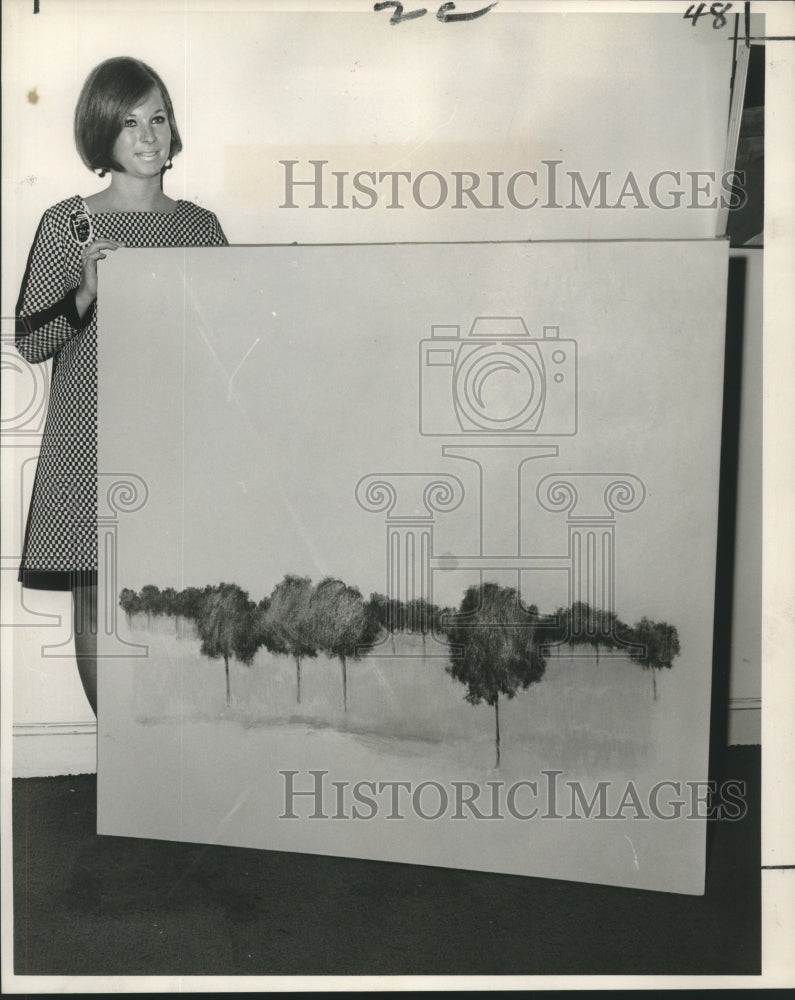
(80, 227)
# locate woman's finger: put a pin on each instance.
(93, 249)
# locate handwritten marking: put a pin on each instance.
(717, 12)
(399, 16)
(443, 14)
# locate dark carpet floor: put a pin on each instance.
(89, 905)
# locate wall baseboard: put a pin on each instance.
(41, 750)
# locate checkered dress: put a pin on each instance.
(60, 538)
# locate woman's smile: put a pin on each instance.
(144, 142)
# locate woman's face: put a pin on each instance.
(144, 142)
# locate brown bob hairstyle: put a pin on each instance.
(110, 92)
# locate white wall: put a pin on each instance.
(253, 85)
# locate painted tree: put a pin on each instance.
(190, 602)
(129, 602)
(150, 602)
(341, 624)
(391, 614)
(229, 627)
(657, 646)
(168, 605)
(168, 598)
(373, 615)
(379, 609)
(581, 622)
(397, 615)
(286, 620)
(187, 604)
(556, 629)
(496, 648)
(422, 617)
(625, 639)
(265, 635)
(605, 630)
(592, 626)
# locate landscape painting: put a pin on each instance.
(408, 552)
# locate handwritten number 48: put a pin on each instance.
(717, 11)
(442, 14)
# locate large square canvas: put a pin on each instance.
(409, 552)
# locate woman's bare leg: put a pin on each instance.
(84, 604)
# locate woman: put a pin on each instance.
(124, 126)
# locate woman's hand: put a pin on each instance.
(87, 289)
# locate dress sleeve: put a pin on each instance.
(217, 237)
(47, 316)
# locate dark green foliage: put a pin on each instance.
(129, 602)
(373, 612)
(390, 612)
(500, 647)
(584, 624)
(229, 626)
(150, 600)
(168, 601)
(286, 622)
(422, 617)
(591, 626)
(341, 624)
(657, 644)
(379, 608)
(190, 601)
(397, 615)
(555, 629)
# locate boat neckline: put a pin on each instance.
(129, 211)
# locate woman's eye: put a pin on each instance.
(158, 120)
(130, 123)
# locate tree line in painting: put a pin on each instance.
(498, 645)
